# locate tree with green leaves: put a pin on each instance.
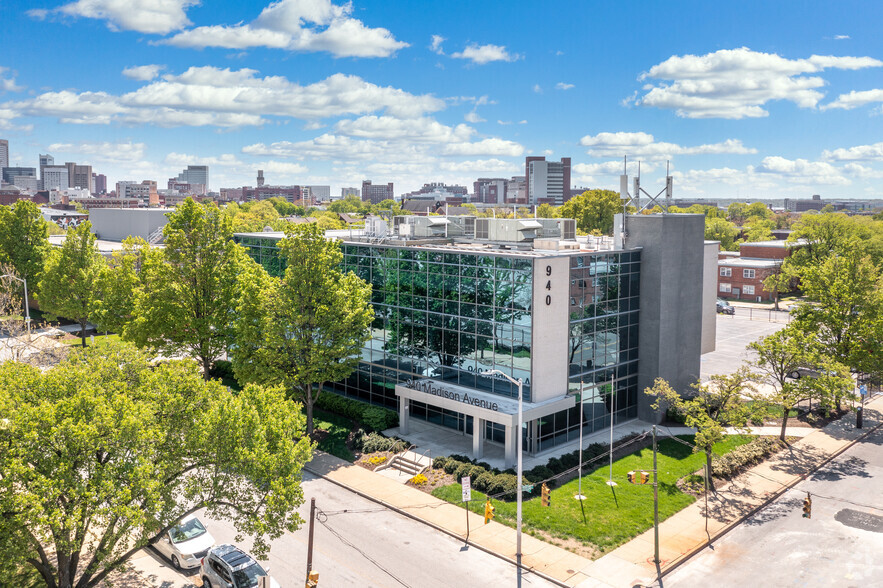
(780, 356)
(189, 287)
(846, 294)
(304, 329)
(778, 280)
(758, 229)
(719, 229)
(68, 285)
(23, 243)
(107, 451)
(117, 284)
(350, 204)
(546, 210)
(717, 404)
(593, 210)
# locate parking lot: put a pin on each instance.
(734, 333)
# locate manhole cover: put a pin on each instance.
(860, 520)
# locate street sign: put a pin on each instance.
(863, 390)
(527, 488)
(467, 488)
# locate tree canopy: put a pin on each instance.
(68, 285)
(23, 243)
(593, 210)
(188, 288)
(306, 328)
(106, 452)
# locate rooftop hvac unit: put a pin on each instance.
(568, 229)
(482, 228)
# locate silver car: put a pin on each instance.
(186, 543)
(227, 566)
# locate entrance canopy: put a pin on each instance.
(482, 405)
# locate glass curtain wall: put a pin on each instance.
(603, 351)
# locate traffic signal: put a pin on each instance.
(645, 477)
(631, 477)
(312, 579)
(488, 511)
(807, 507)
(547, 496)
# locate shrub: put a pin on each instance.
(463, 469)
(222, 370)
(373, 417)
(570, 460)
(451, 465)
(555, 465)
(751, 453)
(419, 480)
(439, 462)
(483, 481)
(503, 486)
(377, 459)
(461, 458)
(475, 471)
(538, 474)
(374, 442)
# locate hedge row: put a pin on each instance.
(751, 453)
(374, 418)
(490, 480)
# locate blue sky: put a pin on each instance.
(746, 99)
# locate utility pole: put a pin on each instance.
(310, 541)
(655, 503)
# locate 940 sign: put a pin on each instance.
(548, 285)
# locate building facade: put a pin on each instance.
(195, 175)
(741, 276)
(547, 181)
(9, 173)
(376, 193)
(490, 190)
(565, 320)
(4, 153)
(54, 177)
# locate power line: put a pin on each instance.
(345, 541)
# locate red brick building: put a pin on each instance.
(741, 275)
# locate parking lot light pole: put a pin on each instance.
(27, 306)
(519, 382)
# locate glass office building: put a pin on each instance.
(563, 321)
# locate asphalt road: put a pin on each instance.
(840, 545)
(366, 546)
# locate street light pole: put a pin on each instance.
(519, 483)
(27, 306)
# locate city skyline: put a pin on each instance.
(752, 101)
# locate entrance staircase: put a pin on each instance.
(405, 465)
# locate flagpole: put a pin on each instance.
(579, 492)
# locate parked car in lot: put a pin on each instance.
(227, 566)
(724, 307)
(186, 543)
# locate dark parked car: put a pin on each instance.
(725, 307)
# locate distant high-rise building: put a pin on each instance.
(344, 192)
(260, 178)
(320, 193)
(10, 172)
(195, 174)
(54, 177)
(515, 190)
(375, 193)
(45, 159)
(79, 176)
(547, 181)
(99, 183)
(490, 190)
(4, 153)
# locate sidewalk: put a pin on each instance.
(632, 563)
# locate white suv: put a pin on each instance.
(227, 566)
(186, 543)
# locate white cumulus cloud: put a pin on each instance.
(297, 25)
(103, 150)
(144, 16)
(143, 73)
(645, 145)
(436, 45)
(563, 86)
(858, 153)
(737, 83)
(482, 54)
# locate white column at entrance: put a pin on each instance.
(404, 416)
(477, 438)
(510, 445)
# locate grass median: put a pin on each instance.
(609, 516)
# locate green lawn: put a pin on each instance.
(609, 516)
(339, 428)
(98, 339)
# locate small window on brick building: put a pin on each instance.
(747, 273)
(726, 272)
(726, 288)
(748, 289)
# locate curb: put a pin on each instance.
(438, 528)
(685, 557)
